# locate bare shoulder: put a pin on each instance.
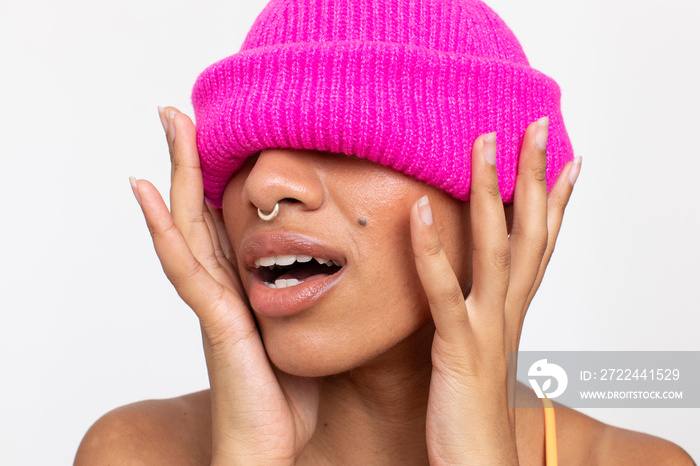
(175, 431)
(584, 440)
(625, 446)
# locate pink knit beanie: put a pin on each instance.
(409, 84)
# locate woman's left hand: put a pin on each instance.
(469, 420)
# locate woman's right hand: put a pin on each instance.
(259, 415)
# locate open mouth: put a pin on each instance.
(283, 271)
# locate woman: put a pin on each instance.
(355, 308)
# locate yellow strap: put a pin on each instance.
(550, 433)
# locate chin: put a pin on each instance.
(302, 366)
(311, 361)
(320, 351)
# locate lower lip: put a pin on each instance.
(284, 302)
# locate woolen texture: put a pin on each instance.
(409, 84)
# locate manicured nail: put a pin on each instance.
(542, 132)
(490, 148)
(163, 119)
(575, 169)
(135, 189)
(171, 125)
(426, 214)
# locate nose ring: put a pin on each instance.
(271, 215)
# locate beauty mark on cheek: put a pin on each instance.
(362, 222)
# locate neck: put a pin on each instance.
(375, 413)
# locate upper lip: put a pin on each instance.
(286, 242)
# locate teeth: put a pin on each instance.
(265, 262)
(285, 260)
(282, 283)
(289, 259)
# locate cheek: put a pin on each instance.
(232, 204)
(386, 258)
(389, 280)
(454, 228)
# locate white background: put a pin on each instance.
(89, 321)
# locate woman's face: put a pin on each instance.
(350, 211)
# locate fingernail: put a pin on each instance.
(171, 125)
(490, 148)
(135, 189)
(542, 132)
(163, 119)
(426, 214)
(575, 169)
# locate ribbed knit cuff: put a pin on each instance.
(410, 108)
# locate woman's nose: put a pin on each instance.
(284, 176)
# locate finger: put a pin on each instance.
(225, 252)
(528, 237)
(186, 192)
(437, 277)
(165, 119)
(491, 250)
(236, 359)
(195, 285)
(217, 232)
(213, 233)
(187, 200)
(557, 201)
(224, 241)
